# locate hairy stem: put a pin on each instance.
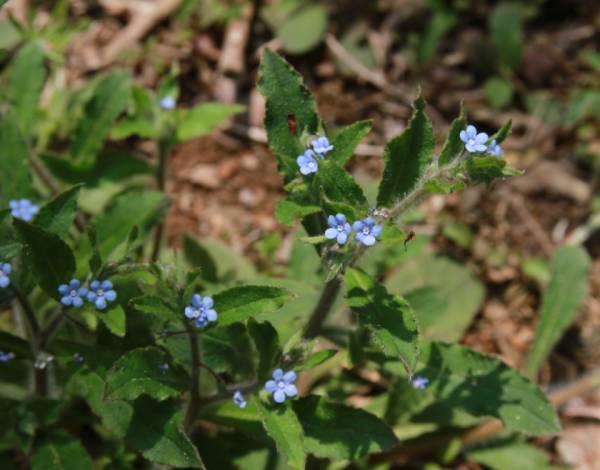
(326, 300)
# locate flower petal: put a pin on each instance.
(197, 300)
(110, 295)
(77, 302)
(277, 374)
(331, 220)
(340, 218)
(291, 390)
(471, 131)
(279, 396)
(271, 386)
(100, 303)
(289, 377)
(211, 315)
(376, 230)
(342, 238)
(190, 312)
(106, 285)
(368, 240)
(207, 302)
(331, 233)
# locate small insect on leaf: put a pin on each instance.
(292, 124)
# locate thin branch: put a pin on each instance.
(194, 403)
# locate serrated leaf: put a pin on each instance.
(485, 169)
(15, 178)
(199, 257)
(390, 319)
(337, 431)
(25, 81)
(406, 157)
(282, 425)
(57, 215)
(156, 306)
(304, 29)
(52, 261)
(266, 340)
(114, 319)
(483, 386)
(138, 373)
(561, 301)
(203, 119)
(288, 211)
(453, 146)
(134, 208)
(287, 97)
(61, 452)
(345, 141)
(110, 98)
(156, 432)
(240, 303)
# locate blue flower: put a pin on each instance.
(72, 294)
(474, 142)
(307, 163)
(23, 209)
(495, 149)
(5, 270)
(339, 228)
(201, 310)
(282, 385)
(101, 292)
(419, 382)
(6, 356)
(321, 146)
(239, 399)
(367, 231)
(163, 368)
(168, 103)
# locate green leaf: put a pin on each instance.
(134, 208)
(287, 98)
(288, 211)
(440, 23)
(266, 341)
(61, 452)
(316, 359)
(390, 319)
(487, 169)
(453, 146)
(316, 240)
(156, 306)
(340, 432)
(483, 386)
(282, 425)
(240, 303)
(345, 141)
(506, 29)
(232, 265)
(109, 100)
(15, 344)
(406, 157)
(338, 186)
(52, 261)
(156, 432)
(15, 178)
(503, 133)
(561, 301)
(198, 256)
(114, 319)
(57, 215)
(499, 91)
(503, 453)
(203, 119)
(304, 29)
(444, 295)
(138, 373)
(25, 81)
(9, 251)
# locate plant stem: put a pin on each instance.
(161, 178)
(195, 386)
(328, 296)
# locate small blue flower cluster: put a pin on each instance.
(23, 209)
(5, 270)
(419, 382)
(307, 163)
(100, 293)
(477, 142)
(6, 356)
(281, 387)
(167, 103)
(201, 310)
(367, 230)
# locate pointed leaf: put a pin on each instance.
(346, 140)
(156, 306)
(287, 99)
(25, 81)
(15, 178)
(114, 319)
(266, 341)
(52, 261)
(281, 423)
(138, 373)
(199, 257)
(61, 452)
(561, 301)
(339, 188)
(240, 303)
(340, 432)
(156, 432)
(288, 211)
(390, 319)
(203, 119)
(406, 157)
(109, 100)
(454, 146)
(57, 215)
